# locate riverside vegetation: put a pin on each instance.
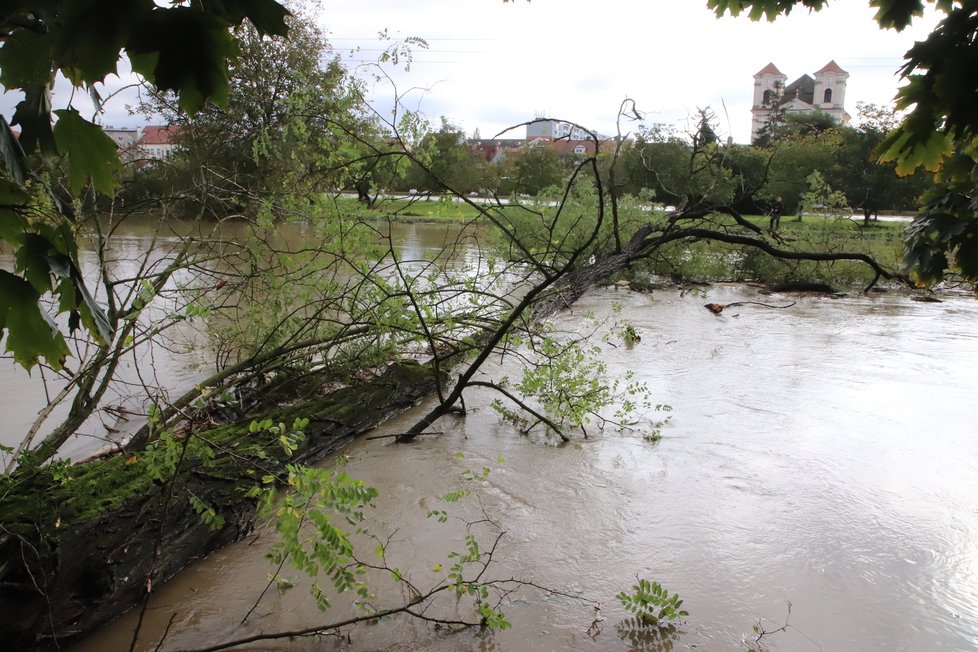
(315, 344)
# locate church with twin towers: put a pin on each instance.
(826, 93)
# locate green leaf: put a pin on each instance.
(897, 13)
(184, 50)
(11, 154)
(30, 332)
(11, 194)
(32, 260)
(268, 16)
(53, 252)
(909, 149)
(98, 29)
(759, 9)
(25, 58)
(92, 315)
(12, 225)
(90, 152)
(33, 114)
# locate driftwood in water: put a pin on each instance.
(76, 553)
(717, 308)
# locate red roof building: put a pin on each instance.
(832, 66)
(770, 69)
(158, 142)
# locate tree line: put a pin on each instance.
(657, 162)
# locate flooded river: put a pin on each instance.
(181, 357)
(823, 455)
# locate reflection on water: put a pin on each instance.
(822, 455)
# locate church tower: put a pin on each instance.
(768, 85)
(830, 91)
(825, 93)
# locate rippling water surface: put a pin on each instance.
(823, 455)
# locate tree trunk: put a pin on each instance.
(75, 554)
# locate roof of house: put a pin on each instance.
(832, 66)
(803, 88)
(492, 149)
(497, 142)
(564, 146)
(159, 135)
(770, 69)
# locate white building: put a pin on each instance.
(126, 139)
(554, 129)
(825, 93)
(157, 142)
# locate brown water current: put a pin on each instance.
(823, 455)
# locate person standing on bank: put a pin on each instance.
(776, 210)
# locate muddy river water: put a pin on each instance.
(823, 456)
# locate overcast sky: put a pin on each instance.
(490, 65)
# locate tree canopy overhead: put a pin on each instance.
(184, 47)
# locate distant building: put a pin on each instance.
(826, 92)
(568, 147)
(554, 129)
(127, 140)
(158, 142)
(123, 137)
(494, 150)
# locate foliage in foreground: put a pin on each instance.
(41, 40)
(651, 603)
(550, 247)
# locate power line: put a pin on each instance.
(428, 40)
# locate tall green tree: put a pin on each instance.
(445, 161)
(705, 133)
(531, 171)
(793, 159)
(685, 170)
(291, 107)
(870, 184)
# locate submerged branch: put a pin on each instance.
(515, 399)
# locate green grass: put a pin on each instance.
(708, 261)
(409, 210)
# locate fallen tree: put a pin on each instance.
(82, 544)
